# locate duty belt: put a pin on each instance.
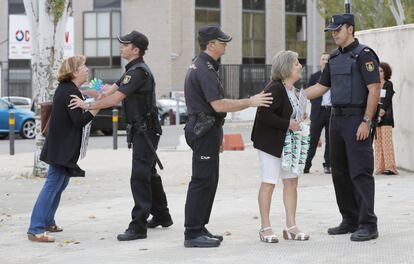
(347, 111)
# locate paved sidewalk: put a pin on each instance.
(95, 209)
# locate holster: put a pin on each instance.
(205, 122)
(375, 122)
(130, 131)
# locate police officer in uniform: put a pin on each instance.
(353, 75)
(207, 108)
(136, 90)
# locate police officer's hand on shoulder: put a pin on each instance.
(261, 99)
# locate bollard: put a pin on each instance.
(115, 128)
(177, 110)
(11, 132)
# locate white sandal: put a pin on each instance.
(269, 238)
(300, 236)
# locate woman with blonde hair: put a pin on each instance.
(61, 149)
(269, 132)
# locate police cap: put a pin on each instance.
(212, 32)
(338, 20)
(136, 38)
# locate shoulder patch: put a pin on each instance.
(193, 67)
(126, 79)
(210, 66)
(369, 66)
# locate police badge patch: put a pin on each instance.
(126, 79)
(369, 66)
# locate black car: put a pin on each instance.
(103, 120)
(166, 111)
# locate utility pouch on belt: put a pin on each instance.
(203, 124)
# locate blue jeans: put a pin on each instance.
(43, 214)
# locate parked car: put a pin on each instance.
(24, 120)
(19, 102)
(103, 120)
(167, 109)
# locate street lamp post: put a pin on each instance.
(347, 6)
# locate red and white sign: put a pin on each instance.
(19, 38)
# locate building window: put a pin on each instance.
(100, 43)
(206, 12)
(296, 27)
(107, 4)
(254, 32)
(16, 7)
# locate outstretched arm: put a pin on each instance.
(232, 105)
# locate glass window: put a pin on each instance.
(207, 3)
(254, 32)
(101, 30)
(296, 34)
(295, 6)
(206, 12)
(254, 4)
(103, 23)
(106, 4)
(16, 7)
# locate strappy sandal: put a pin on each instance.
(289, 235)
(269, 238)
(54, 229)
(41, 238)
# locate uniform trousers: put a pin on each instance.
(316, 126)
(205, 175)
(352, 167)
(146, 184)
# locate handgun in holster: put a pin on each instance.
(374, 122)
(130, 135)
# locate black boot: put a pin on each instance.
(343, 228)
(154, 222)
(130, 234)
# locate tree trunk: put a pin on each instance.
(48, 23)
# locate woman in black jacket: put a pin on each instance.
(61, 149)
(384, 148)
(268, 136)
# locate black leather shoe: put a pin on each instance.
(130, 234)
(153, 223)
(202, 242)
(364, 234)
(343, 228)
(210, 235)
(327, 170)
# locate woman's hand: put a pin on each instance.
(294, 125)
(77, 102)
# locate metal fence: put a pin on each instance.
(243, 80)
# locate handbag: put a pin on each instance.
(45, 114)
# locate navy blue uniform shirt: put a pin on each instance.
(366, 56)
(202, 85)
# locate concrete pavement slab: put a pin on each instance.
(96, 208)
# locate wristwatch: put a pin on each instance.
(367, 121)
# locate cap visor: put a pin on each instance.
(332, 27)
(123, 40)
(224, 38)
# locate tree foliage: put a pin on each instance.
(368, 13)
